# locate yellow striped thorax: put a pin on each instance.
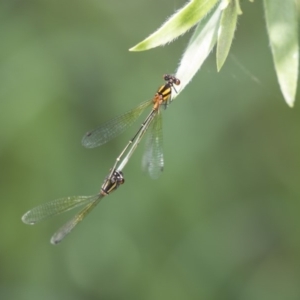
(164, 92)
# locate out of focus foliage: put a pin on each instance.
(222, 222)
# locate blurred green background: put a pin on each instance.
(223, 220)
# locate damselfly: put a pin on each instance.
(58, 206)
(153, 160)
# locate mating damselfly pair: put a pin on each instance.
(153, 160)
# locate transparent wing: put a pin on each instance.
(56, 207)
(113, 127)
(60, 234)
(153, 158)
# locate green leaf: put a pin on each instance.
(281, 17)
(238, 7)
(199, 47)
(178, 24)
(226, 32)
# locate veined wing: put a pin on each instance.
(153, 158)
(113, 127)
(60, 234)
(56, 207)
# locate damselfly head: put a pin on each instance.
(112, 182)
(118, 177)
(171, 79)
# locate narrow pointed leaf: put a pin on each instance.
(281, 18)
(238, 7)
(178, 24)
(200, 45)
(226, 32)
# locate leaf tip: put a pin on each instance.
(290, 102)
(134, 48)
(142, 46)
